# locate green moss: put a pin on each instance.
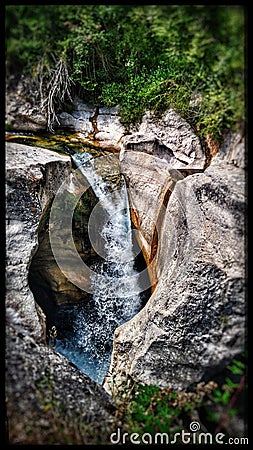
(8, 127)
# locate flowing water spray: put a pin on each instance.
(113, 300)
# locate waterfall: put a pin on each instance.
(113, 300)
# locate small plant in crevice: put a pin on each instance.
(44, 391)
(217, 405)
(52, 336)
(228, 402)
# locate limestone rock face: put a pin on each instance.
(47, 282)
(194, 322)
(100, 127)
(48, 400)
(150, 182)
(33, 175)
(232, 151)
(153, 158)
(170, 138)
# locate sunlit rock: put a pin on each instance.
(170, 138)
(194, 323)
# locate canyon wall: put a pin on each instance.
(48, 400)
(33, 175)
(194, 322)
(188, 208)
(153, 159)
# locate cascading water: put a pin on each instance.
(115, 299)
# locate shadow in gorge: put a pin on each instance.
(81, 325)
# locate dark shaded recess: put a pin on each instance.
(61, 307)
(42, 284)
(240, 396)
(141, 266)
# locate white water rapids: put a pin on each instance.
(89, 344)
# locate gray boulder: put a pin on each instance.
(22, 113)
(194, 322)
(48, 400)
(170, 138)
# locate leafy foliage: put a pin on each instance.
(149, 409)
(140, 57)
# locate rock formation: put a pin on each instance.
(153, 158)
(48, 400)
(169, 138)
(46, 279)
(160, 150)
(194, 322)
(97, 126)
(32, 176)
(189, 214)
(22, 113)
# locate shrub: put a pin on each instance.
(139, 57)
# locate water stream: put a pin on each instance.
(85, 330)
(114, 301)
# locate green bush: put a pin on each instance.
(150, 409)
(139, 57)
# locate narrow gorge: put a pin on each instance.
(126, 231)
(82, 317)
(183, 322)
